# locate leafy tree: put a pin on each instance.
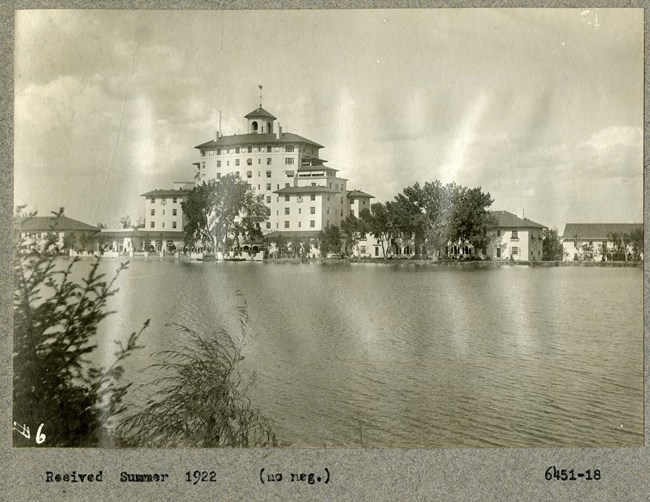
(330, 240)
(552, 249)
(353, 229)
(281, 245)
(55, 329)
(101, 225)
(201, 399)
(620, 246)
(470, 219)
(220, 212)
(125, 221)
(377, 222)
(636, 242)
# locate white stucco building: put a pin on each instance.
(304, 195)
(514, 238)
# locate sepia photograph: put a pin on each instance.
(417, 228)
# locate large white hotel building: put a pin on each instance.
(303, 194)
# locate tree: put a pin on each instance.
(470, 220)
(220, 212)
(330, 240)
(377, 222)
(125, 221)
(620, 246)
(55, 328)
(636, 242)
(353, 229)
(552, 249)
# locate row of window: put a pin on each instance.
(288, 161)
(174, 212)
(164, 200)
(312, 224)
(153, 224)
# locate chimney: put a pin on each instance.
(216, 135)
(279, 131)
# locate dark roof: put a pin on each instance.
(316, 168)
(597, 231)
(359, 193)
(255, 138)
(169, 192)
(310, 189)
(509, 220)
(52, 223)
(305, 234)
(260, 113)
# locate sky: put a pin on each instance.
(541, 108)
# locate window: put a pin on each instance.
(259, 187)
(515, 235)
(268, 149)
(227, 163)
(173, 224)
(174, 200)
(498, 233)
(312, 210)
(163, 212)
(236, 162)
(312, 223)
(341, 212)
(290, 174)
(258, 174)
(174, 211)
(277, 212)
(299, 210)
(218, 175)
(288, 148)
(277, 187)
(218, 151)
(268, 186)
(153, 212)
(236, 174)
(249, 162)
(152, 224)
(286, 224)
(153, 200)
(277, 199)
(268, 174)
(351, 212)
(337, 186)
(250, 149)
(313, 184)
(237, 150)
(328, 210)
(249, 174)
(299, 225)
(362, 249)
(202, 165)
(268, 199)
(289, 160)
(268, 224)
(515, 250)
(287, 185)
(259, 161)
(286, 210)
(313, 196)
(163, 225)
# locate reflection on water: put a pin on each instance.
(405, 355)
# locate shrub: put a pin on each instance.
(55, 325)
(203, 400)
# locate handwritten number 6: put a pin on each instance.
(40, 438)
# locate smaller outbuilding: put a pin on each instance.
(515, 238)
(600, 241)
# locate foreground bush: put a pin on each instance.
(55, 328)
(202, 399)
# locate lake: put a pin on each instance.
(402, 355)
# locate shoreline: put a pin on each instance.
(401, 262)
